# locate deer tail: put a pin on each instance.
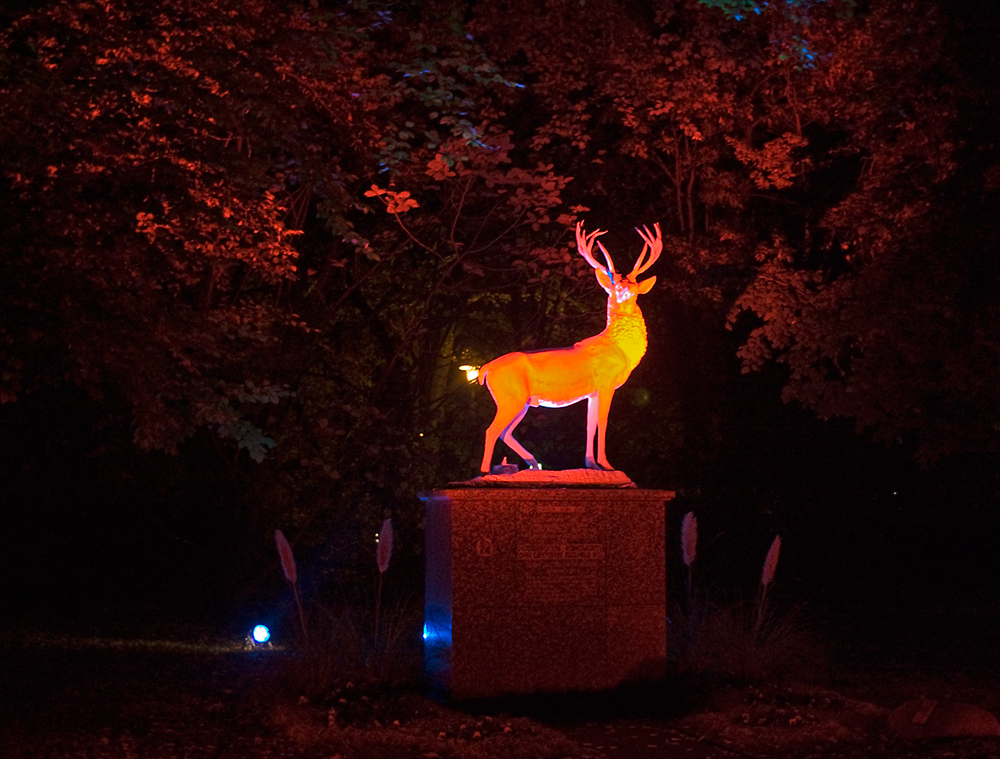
(482, 373)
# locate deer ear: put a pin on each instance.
(604, 281)
(646, 285)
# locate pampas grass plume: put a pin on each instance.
(689, 538)
(288, 567)
(286, 555)
(771, 562)
(383, 551)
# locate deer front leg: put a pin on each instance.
(598, 405)
(591, 429)
(603, 406)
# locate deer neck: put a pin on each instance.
(627, 329)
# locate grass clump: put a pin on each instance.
(730, 642)
(346, 637)
(736, 641)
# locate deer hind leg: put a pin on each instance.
(520, 450)
(507, 418)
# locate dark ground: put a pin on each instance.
(115, 698)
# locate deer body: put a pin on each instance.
(592, 369)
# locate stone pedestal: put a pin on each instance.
(544, 588)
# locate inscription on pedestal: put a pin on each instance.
(561, 551)
(550, 583)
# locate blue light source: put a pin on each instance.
(437, 635)
(260, 635)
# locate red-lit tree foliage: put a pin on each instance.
(269, 225)
(802, 156)
(147, 203)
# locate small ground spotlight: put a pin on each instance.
(260, 635)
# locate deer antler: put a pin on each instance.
(607, 256)
(652, 245)
(585, 244)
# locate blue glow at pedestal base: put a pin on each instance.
(436, 636)
(437, 594)
(437, 646)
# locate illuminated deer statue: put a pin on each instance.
(593, 368)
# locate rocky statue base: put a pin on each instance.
(544, 586)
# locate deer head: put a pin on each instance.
(621, 289)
